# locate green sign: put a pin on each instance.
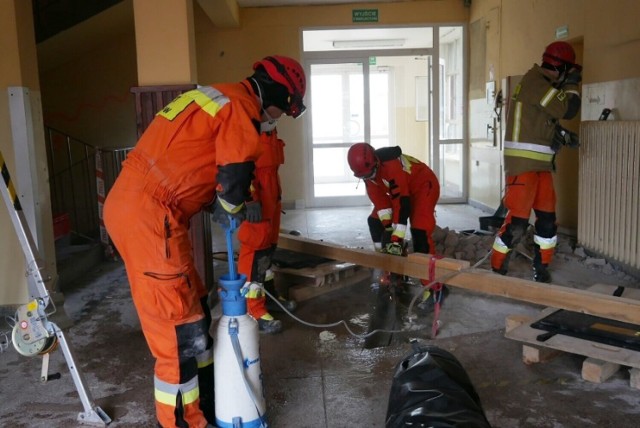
(364, 15)
(372, 60)
(562, 32)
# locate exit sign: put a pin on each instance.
(364, 15)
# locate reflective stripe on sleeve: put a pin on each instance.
(399, 230)
(517, 121)
(385, 214)
(548, 97)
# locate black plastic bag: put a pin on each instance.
(430, 388)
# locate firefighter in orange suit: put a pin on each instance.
(198, 152)
(403, 191)
(546, 94)
(258, 241)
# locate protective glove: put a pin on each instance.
(254, 212)
(564, 137)
(393, 248)
(221, 216)
(573, 78)
(386, 236)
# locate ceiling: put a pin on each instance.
(118, 19)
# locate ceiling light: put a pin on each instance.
(379, 43)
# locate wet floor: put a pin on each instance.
(321, 376)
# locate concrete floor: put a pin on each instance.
(324, 377)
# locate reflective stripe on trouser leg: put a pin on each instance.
(508, 236)
(545, 236)
(176, 370)
(547, 248)
(499, 254)
(256, 300)
(177, 402)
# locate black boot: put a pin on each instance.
(540, 271)
(289, 305)
(541, 274)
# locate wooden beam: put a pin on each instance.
(457, 273)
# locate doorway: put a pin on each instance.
(378, 86)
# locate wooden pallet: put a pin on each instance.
(318, 276)
(306, 283)
(602, 360)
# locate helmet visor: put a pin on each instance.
(296, 107)
(367, 175)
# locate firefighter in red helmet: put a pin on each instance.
(546, 94)
(404, 191)
(258, 240)
(198, 152)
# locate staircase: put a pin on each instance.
(77, 188)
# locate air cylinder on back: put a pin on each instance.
(240, 400)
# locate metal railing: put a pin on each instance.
(73, 179)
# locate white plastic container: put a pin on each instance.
(236, 405)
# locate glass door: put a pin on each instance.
(338, 120)
(381, 100)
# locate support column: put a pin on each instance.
(166, 55)
(23, 146)
(165, 42)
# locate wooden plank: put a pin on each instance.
(305, 292)
(458, 274)
(324, 273)
(574, 345)
(513, 321)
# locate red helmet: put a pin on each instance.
(362, 160)
(559, 54)
(289, 73)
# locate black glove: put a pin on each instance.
(221, 216)
(386, 236)
(254, 212)
(564, 137)
(573, 78)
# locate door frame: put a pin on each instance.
(337, 57)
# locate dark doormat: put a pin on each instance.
(592, 328)
(292, 259)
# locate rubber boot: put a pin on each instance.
(505, 266)
(540, 271)
(541, 274)
(429, 297)
(269, 325)
(289, 305)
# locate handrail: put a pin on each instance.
(73, 179)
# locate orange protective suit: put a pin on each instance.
(206, 139)
(258, 241)
(403, 189)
